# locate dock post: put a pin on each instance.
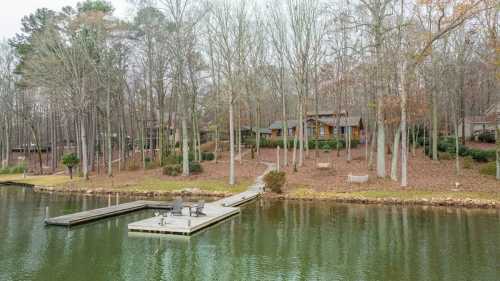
(46, 212)
(117, 198)
(109, 199)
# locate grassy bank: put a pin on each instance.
(145, 185)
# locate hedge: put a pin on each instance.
(322, 144)
(448, 145)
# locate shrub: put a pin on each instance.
(489, 169)
(479, 155)
(207, 156)
(445, 156)
(468, 162)
(275, 181)
(18, 169)
(171, 159)
(195, 167)
(70, 160)
(179, 157)
(488, 137)
(172, 170)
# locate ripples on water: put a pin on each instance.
(270, 240)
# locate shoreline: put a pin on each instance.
(344, 198)
(145, 193)
(468, 203)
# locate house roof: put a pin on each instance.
(278, 124)
(491, 109)
(352, 121)
(320, 112)
(262, 130)
(255, 130)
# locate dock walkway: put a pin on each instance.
(91, 215)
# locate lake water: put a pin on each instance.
(270, 240)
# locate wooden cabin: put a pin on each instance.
(327, 125)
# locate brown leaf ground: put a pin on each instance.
(423, 174)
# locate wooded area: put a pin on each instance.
(114, 91)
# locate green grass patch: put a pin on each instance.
(304, 192)
(48, 180)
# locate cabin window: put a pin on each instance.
(322, 131)
(290, 131)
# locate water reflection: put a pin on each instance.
(270, 240)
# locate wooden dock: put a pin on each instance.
(92, 215)
(184, 225)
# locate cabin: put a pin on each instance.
(328, 124)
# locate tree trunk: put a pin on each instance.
(108, 132)
(185, 146)
(434, 127)
(395, 153)
(380, 141)
(404, 149)
(231, 143)
(83, 134)
(301, 133)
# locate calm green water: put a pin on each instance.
(270, 240)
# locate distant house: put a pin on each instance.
(277, 129)
(327, 125)
(493, 114)
(475, 125)
(247, 132)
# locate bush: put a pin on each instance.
(468, 162)
(207, 156)
(275, 181)
(18, 169)
(323, 144)
(172, 170)
(489, 169)
(179, 157)
(70, 160)
(479, 155)
(488, 137)
(444, 156)
(195, 167)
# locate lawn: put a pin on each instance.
(406, 195)
(142, 184)
(46, 180)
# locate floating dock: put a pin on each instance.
(92, 215)
(184, 225)
(214, 212)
